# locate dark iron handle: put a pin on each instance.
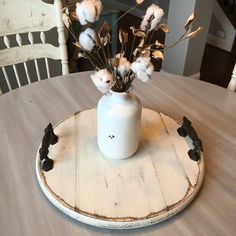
(48, 138)
(187, 129)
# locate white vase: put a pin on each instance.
(118, 123)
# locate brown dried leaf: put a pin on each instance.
(158, 44)
(105, 29)
(163, 27)
(157, 55)
(140, 46)
(114, 62)
(77, 44)
(74, 15)
(139, 2)
(137, 32)
(123, 36)
(190, 21)
(66, 17)
(135, 51)
(105, 34)
(146, 53)
(120, 36)
(195, 33)
(105, 40)
(126, 37)
(66, 20)
(141, 43)
(81, 55)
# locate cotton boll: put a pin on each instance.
(140, 64)
(124, 65)
(87, 39)
(103, 80)
(157, 12)
(88, 11)
(135, 66)
(98, 8)
(143, 76)
(150, 69)
(144, 62)
(143, 68)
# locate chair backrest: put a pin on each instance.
(232, 82)
(23, 24)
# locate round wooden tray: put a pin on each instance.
(157, 182)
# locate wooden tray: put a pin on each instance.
(157, 182)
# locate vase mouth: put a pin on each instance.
(118, 92)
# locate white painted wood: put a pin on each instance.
(43, 39)
(6, 41)
(17, 76)
(155, 183)
(25, 210)
(35, 16)
(8, 45)
(188, 166)
(66, 171)
(232, 82)
(19, 41)
(20, 54)
(31, 40)
(6, 78)
(61, 36)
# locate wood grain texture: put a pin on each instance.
(147, 188)
(25, 112)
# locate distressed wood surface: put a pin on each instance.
(25, 53)
(154, 184)
(22, 19)
(25, 16)
(25, 112)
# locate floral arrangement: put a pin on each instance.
(117, 72)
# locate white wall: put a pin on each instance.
(197, 45)
(186, 57)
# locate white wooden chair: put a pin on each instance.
(23, 26)
(232, 83)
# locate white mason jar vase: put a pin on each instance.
(118, 123)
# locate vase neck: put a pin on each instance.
(118, 93)
(118, 96)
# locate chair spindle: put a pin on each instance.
(31, 40)
(7, 78)
(19, 41)
(43, 39)
(8, 45)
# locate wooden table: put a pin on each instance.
(24, 113)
